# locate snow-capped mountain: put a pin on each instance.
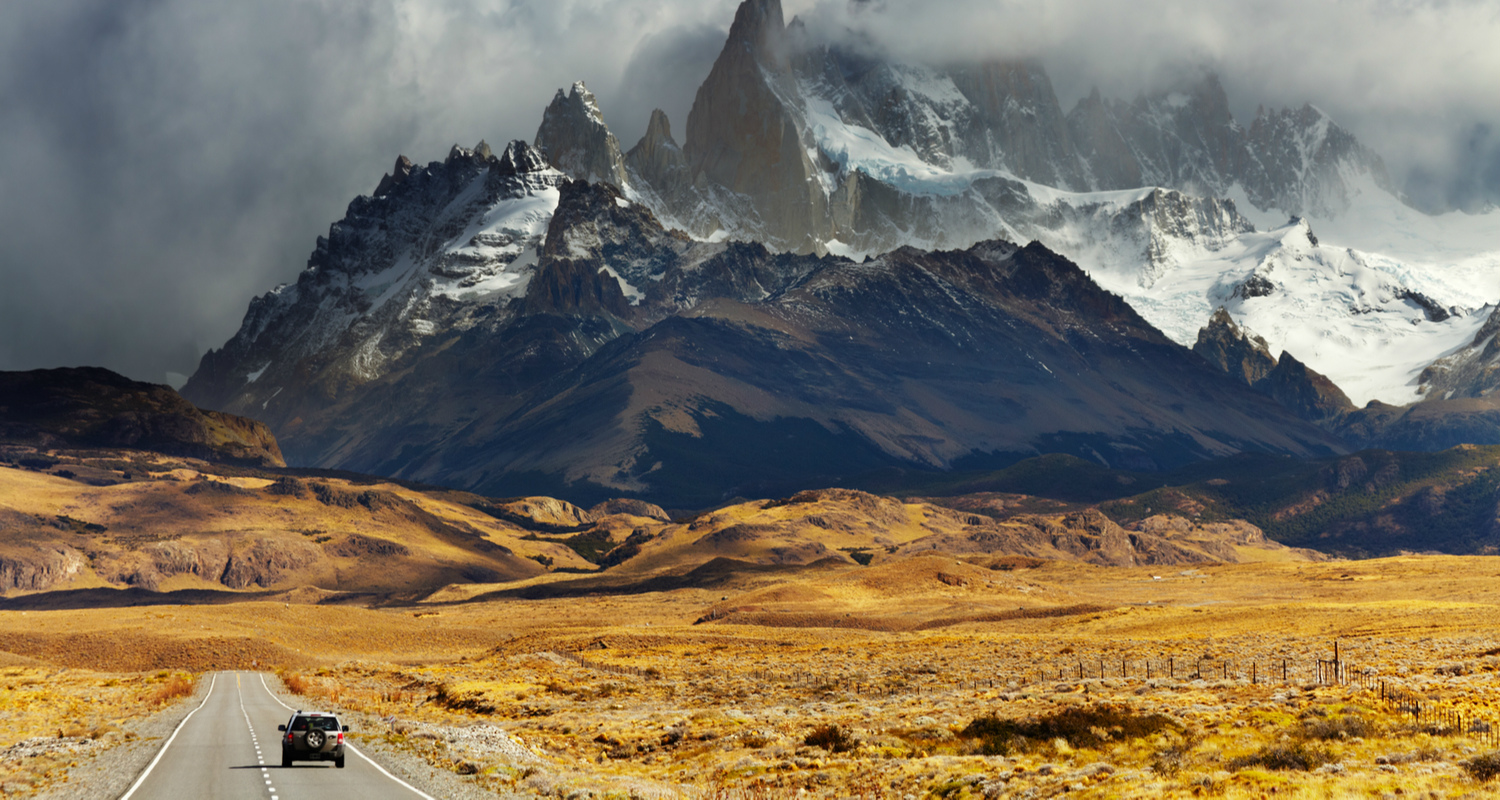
(435, 251)
(814, 147)
(822, 147)
(623, 357)
(484, 321)
(809, 146)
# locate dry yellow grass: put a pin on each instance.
(51, 718)
(625, 690)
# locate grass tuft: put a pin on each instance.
(1335, 728)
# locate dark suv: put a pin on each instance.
(312, 736)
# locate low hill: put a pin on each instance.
(94, 407)
(1371, 503)
(198, 532)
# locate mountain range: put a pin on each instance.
(831, 275)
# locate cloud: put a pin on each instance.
(166, 160)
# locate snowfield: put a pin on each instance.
(1385, 290)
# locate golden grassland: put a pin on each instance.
(50, 718)
(839, 680)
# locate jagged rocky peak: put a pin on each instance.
(576, 140)
(458, 153)
(745, 135)
(1237, 351)
(520, 158)
(395, 177)
(1247, 357)
(1302, 162)
(656, 155)
(759, 29)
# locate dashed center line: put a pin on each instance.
(255, 740)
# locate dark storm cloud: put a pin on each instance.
(162, 161)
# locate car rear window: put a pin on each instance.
(316, 724)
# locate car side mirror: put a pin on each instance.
(280, 727)
(347, 729)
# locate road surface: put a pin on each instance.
(229, 749)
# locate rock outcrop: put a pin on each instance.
(576, 140)
(1246, 357)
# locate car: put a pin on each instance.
(312, 736)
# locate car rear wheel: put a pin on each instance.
(339, 762)
(286, 758)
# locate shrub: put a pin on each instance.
(1285, 756)
(831, 738)
(175, 686)
(1079, 727)
(296, 684)
(1485, 767)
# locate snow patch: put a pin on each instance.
(634, 295)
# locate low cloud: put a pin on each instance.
(166, 160)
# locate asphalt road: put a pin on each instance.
(229, 748)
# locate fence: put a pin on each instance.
(600, 666)
(1428, 714)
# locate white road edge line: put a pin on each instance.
(142, 779)
(347, 746)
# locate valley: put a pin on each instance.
(897, 431)
(834, 679)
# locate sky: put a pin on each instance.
(164, 161)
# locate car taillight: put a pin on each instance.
(341, 738)
(289, 737)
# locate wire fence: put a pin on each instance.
(1429, 714)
